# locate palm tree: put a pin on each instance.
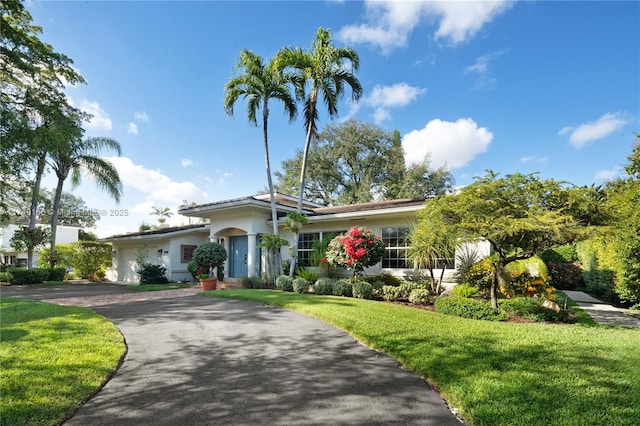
(75, 157)
(258, 82)
(185, 205)
(162, 213)
(325, 69)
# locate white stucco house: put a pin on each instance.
(8, 256)
(238, 223)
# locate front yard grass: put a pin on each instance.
(53, 358)
(494, 373)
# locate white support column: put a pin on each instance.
(251, 255)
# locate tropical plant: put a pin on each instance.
(258, 83)
(430, 246)
(78, 156)
(294, 223)
(163, 214)
(273, 243)
(357, 249)
(210, 256)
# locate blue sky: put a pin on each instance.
(549, 87)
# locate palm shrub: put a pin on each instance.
(300, 285)
(307, 274)
(284, 283)
(342, 288)
(323, 287)
(362, 290)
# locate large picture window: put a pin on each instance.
(396, 242)
(305, 245)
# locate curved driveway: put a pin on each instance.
(207, 361)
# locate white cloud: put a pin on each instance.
(132, 129)
(532, 159)
(451, 144)
(223, 179)
(156, 186)
(396, 95)
(390, 22)
(100, 118)
(141, 116)
(380, 115)
(186, 162)
(608, 174)
(480, 69)
(594, 130)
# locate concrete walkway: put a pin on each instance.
(602, 312)
(206, 361)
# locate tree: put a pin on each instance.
(79, 156)
(162, 212)
(354, 162)
(294, 223)
(325, 69)
(356, 249)
(520, 215)
(32, 104)
(258, 83)
(431, 245)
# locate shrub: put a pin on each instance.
(362, 290)
(56, 274)
(566, 276)
(152, 274)
(64, 253)
(528, 277)
(5, 277)
(420, 296)
(22, 276)
(300, 285)
(480, 274)
(284, 283)
(253, 282)
(356, 249)
(530, 309)
(561, 254)
(342, 288)
(323, 287)
(90, 256)
(599, 263)
(465, 290)
(386, 278)
(309, 275)
(468, 308)
(209, 255)
(193, 267)
(391, 293)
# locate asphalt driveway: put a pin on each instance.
(206, 361)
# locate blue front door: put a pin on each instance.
(238, 256)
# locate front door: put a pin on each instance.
(238, 256)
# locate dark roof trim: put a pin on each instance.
(375, 205)
(159, 231)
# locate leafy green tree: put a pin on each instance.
(33, 108)
(83, 155)
(324, 69)
(354, 162)
(518, 214)
(259, 83)
(89, 257)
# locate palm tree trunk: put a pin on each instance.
(33, 213)
(274, 213)
(54, 220)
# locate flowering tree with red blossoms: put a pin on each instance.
(357, 249)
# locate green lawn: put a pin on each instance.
(493, 373)
(53, 358)
(157, 287)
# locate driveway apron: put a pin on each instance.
(207, 361)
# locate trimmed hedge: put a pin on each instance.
(342, 288)
(284, 283)
(300, 285)
(57, 274)
(323, 287)
(152, 274)
(362, 290)
(22, 276)
(468, 308)
(420, 296)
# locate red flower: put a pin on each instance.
(324, 260)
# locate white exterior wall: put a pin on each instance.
(178, 269)
(64, 235)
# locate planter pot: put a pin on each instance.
(208, 283)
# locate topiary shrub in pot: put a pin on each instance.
(208, 257)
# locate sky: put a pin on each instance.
(527, 86)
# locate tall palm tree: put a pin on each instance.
(258, 83)
(80, 155)
(324, 68)
(162, 212)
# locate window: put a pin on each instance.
(186, 253)
(396, 242)
(305, 244)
